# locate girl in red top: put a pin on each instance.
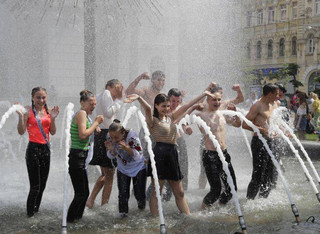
(38, 150)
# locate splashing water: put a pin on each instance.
(63, 122)
(14, 108)
(132, 110)
(286, 126)
(153, 165)
(196, 119)
(275, 162)
(69, 114)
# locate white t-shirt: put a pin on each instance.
(106, 107)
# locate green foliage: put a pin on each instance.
(288, 74)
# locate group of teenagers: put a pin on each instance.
(124, 149)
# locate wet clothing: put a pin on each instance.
(130, 167)
(33, 129)
(215, 175)
(78, 173)
(139, 189)
(37, 160)
(164, 131)
(264, 174)
(79, 179)
(38, 165)
(76, 142)
(100, 152)
(167, 162)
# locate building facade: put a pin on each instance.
(278, 32)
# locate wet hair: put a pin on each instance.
(218, 87)
(112, 83)
(281, 87)
(161, 97)
(85, 95)
(33, 92)
(157, 74)
(116, 126)
(174, 92)
(215, 90)
(269, 88)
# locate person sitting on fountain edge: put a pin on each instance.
(264, 174)
(210, 158)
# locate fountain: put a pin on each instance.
(193, 41)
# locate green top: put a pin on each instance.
(76, 142)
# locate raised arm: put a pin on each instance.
(132, 87)
(240, 96)
(183, 109)
(54, 112)
(144, 104)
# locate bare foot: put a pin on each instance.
(89, 204)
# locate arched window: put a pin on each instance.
(270, 48)
(259, 50)
(294, 46)
(248, 50)
(312, 84)
(281, 47)
(310, 44)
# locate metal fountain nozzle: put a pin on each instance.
(163, 229)
(295, 212)
(64, 230)
(242, 224)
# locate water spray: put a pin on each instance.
(70, 112)
(275, 162)
(133, 110)
(203, 124)
(12, 109)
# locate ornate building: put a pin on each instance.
(278, 32)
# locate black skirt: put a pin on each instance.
(100, 152)
(167, 164)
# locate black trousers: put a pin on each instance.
(79, 178)
(38, 165)
(215, 174)
(139, 189)
(264, 174)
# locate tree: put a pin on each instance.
(288, 74)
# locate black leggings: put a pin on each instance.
(79, 178)
(215, 174)
(139, 189)
(38, 165)
(264, 174)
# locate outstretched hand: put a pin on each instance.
(131, 98)
(54, 112)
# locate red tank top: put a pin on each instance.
(34, 130)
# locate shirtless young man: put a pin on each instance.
(158, 80)
(210, 158)
(237, 100)
(264, 173)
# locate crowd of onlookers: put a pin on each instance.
(306, 110)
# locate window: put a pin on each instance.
(294, 10)
(270, 48)
(259, 50)
(294, 46)
(271, 15)
(281, 47)
(259, 17)
(317, 7)
(248, 50)
(283, 12)
(310, 44)
(249, 18)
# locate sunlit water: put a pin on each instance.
(271, 215)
